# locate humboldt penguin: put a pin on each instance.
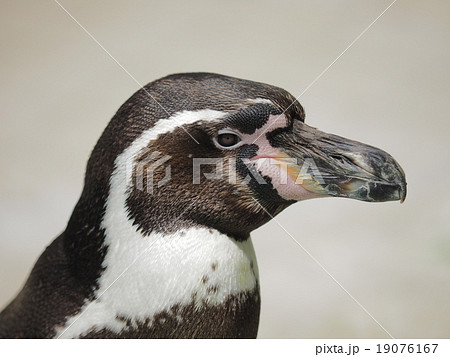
(158, 245)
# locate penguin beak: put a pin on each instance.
(330, 165)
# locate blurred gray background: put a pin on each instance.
(390, 89)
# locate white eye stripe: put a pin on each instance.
(131, 297)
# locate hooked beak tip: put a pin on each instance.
(402, 192)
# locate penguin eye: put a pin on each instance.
(227, 139)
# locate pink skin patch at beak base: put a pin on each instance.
(284, 172)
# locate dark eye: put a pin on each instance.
(228, 139)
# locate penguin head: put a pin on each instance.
(226, 153)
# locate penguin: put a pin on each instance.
(158, 245)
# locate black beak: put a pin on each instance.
(331, 165)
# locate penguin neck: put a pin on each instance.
(183, 251)
(102, 241)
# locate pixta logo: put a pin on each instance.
(148, 171)
(152, 170)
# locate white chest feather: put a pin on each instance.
(148, 275)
